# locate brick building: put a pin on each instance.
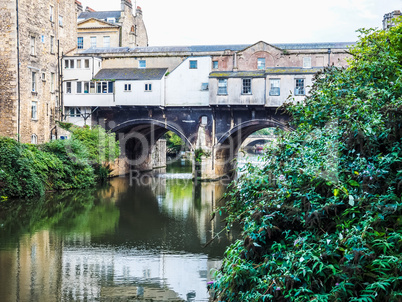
(35, 34)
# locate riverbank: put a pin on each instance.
(28, 170)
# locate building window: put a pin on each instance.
(142, 64)
(93, 41)
(34, 110)
(86, 87)
(80, 42)
(51, 13)
(86, 63)
(261, 63)
(193, 64)
(307, 62)
(102, 87)
(127, 87)
(68, 64)
(79, 87)
(43, 77)
(223, 86)
(106, 41)
(204, 86)
(74, 112)
(52, 75)
(61, 21)
(32, 44)
(92, 87)
(215, 64)
(110, 87)
(78, 63)
(148, 87)
(275, 89)
(246, 86)
(34, 139)
(68, 87)
(111, 20)
(51, 44)
(299, 89)
(33, 81)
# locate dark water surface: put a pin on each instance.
(137, 239)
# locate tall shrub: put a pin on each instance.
(322, 220)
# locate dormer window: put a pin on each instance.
(111, 20)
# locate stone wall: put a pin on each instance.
(38, 36)
(8, 69)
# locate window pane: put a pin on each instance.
(110, 87)
(142, 64)
(79, 87)
(80, 42)
(33, 81)
(246, 86)
(98, 87)
(222, 86)
(215, 64)
(68, 87)
(93, 41)
(274, 87)
(106, 41)
(71, 63)
(193, 64)
(92, 87)
(299, 89)
(86, 87)
(86, 63)
(104, 87)
(261, 63)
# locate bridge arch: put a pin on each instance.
(138, 137)
(229, 143)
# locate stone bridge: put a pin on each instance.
(213, 133)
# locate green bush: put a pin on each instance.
(322, 220)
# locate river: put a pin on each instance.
(138, 238)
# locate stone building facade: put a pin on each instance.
(30, 95)
(111, 28)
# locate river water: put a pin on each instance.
(138, 238)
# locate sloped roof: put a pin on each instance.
(81, 24)
(238, 74)
(100, 15)
(131, 74)
(218, 48)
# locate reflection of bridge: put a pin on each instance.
(258, 139)
(216, 130)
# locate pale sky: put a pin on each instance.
(212, 22)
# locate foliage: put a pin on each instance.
(322, 220)
(174, 143)
(27, 170)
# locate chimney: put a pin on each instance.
(90, 10)
(78, 6)
(125, 3)
(139, 11)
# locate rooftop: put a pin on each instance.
(131, 74)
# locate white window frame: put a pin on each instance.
(274, 87)
(261, 63)
(51, 13)
(33, 81)
(34, 139)
(246, 89)
(52, 81)
(34, 110)
(93, 42)
(86, 63)
(300, 86)
(69, 87)
(32, 45)
(306, 62)
(106, 41)
(127, 87)
(148, 87)
(78, 89)
(222, 86)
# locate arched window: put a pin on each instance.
(34, 139)
(132, 29)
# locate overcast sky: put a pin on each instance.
(195, 22)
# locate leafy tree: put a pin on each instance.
(322, 220)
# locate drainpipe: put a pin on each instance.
(18, 76)
(329, 57)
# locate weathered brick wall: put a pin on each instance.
(8, 69)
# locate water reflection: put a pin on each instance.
(135, 239)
